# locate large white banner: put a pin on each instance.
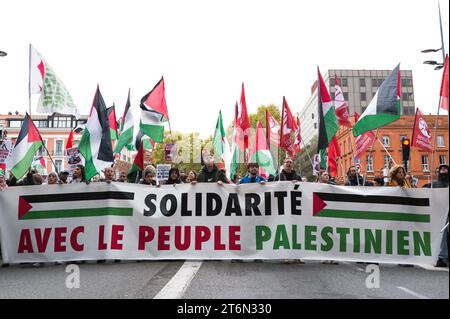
(208, 221)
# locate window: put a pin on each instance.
(41, 151)
(362, 95)
(362, 82)
(312, 116)
(369, 163)
(345, 96)
(425, 166)
(15, 123)
(387, 161)
(59, 148)
(406, 82)
(442, 160)
(374, 82)
(58, 165)
(62, 122)
(344, 82)
(407, 96)
(332, 82)
(440, 141)
(386, 140)
(315, 125)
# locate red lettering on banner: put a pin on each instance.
(217, 244)
(60, 238)
(25, 243)
(42, 241)
(187, 237)
(163, 236)
(116, 236)
(73, 238)
(234, 237)
(101, 238)
(146, 235)
(202, 234)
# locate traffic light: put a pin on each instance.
(406, 148)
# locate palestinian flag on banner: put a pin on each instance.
(389, 208)
(221, 146)
(235, 153)
(43, 80)
(384, 107)
(138, 165)
(39, 165)
(27, 143)
(126, 127)
(260, 153)
(154, 112)
(112, 122)
(95, 144)
(328, 125)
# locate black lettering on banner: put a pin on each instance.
(296, 202)
(210, 199)
(252, 201)
(173, 205)
(150, 204)
(233, 206)
(280, 196)
(268, 203)
(198, 204)
(184, 209)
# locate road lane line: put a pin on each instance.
(415, 294)
(176, 287)
(433, 268)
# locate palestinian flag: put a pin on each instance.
(328, 125)
(388, 208)
(138, 166)
(95, 144)
(154, 112)
(27, 143)
(384, 107)
(147, 142)
(39, 165)
(112, 122)
(221, 146)
(260, 153)
(126, 127)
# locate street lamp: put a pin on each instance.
(430, 62)
(3, 53)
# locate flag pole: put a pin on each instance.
(395, 163)
(370, 152)
(434, 143)
(29, 80)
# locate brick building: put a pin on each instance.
(391, 136)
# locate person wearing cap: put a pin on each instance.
(210, 173)
(63, 175)
(442, 182)
(252, 176)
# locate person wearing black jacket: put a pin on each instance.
(354, 179)
(288, 173)
(210, 173)
(174, 176)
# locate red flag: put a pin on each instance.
(288, 126)
(69, 143)
(363, 141)
(444, 86)
(340, 105)
(272, 129)
(333, 154)
(155, 100)
(421, 136)
(244, 125)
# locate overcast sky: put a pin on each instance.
(206, 49)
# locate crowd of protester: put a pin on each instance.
(212, 173)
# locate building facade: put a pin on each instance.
(387, 149)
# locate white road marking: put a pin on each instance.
(415, 294)
(176, 287)
(352, 265)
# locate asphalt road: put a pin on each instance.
(223, 280)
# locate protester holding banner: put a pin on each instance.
(63, 175)
(123, 177)
(324, 178)
(110, 174)
(149, 177)
(288, 173)
(174, 176)
(52, 178)
(191, 177)
(354, 179)
(210, 173)
(397, 177)
(252, 176)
